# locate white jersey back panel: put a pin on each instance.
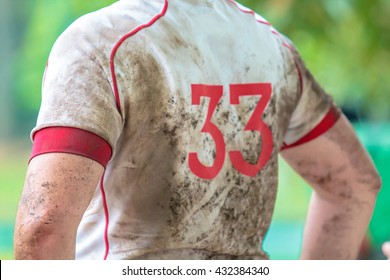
(168, 63)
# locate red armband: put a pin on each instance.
(72, 141)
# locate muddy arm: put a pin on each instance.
(345, 184)
(57, 190)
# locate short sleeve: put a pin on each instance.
(77, 95)
(315, 112)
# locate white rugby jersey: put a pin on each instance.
(187, 104)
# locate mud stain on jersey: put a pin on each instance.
(178, 42)
(285, 98)
(148, 89)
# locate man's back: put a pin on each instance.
(196, 99)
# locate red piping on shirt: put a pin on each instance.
(300, 79)
(274, 31)
(72, 141)
(120, 42)
(107, 217)
(249, 12)
(327, 122)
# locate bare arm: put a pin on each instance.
(57, 191)
(345, 184)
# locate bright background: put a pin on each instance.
(344, 42)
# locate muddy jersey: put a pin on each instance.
(195, 99)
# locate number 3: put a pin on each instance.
(255, 123)
(215, 94)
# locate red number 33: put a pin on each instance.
(255, 123)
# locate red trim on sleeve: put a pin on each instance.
(72, 141)
(327, 122)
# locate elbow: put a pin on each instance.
(376, 183)
(30, 238)
(369, 188)
(371, 181)
(40, 237)
(354, 189)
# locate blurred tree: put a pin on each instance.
(5, 49)
(13, 18)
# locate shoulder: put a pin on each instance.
(98, 32)
(89, 33)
